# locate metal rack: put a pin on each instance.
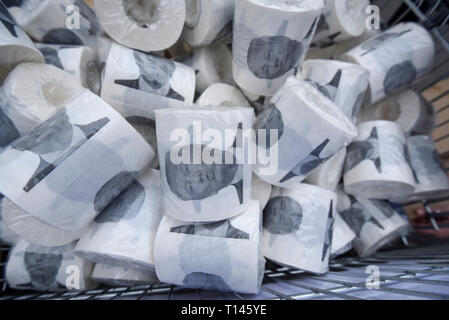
(405, 273)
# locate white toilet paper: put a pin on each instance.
(204, 162)
(342, 47)
(343, 83)
(67, 170)
(222, 95)
(341, 20)
(136, 83)
(15, 45)
(223, 256)
(208, 21)
(270, 41)
(29, 95)
(32, 267)
(376, 165)
(342, 237)
(407, 108)
(122, 277)
(77, 60)
(328, 174)
(123, 234)
(310, 129)
(6, 235)
(374, 222)
(55, 22)
(394, 58)
(259, 103)
(151, 25)
(298, 226)
(260, 191)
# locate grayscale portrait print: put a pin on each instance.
(8, 132)
(7, 20)
(359, 151)
(356, 217)
(206, 281)
(399, 76)
(155, 75)
(330, 89)
(220, 229)
(51, 57)
(282, 215)
(376, 42)
(42, 268)
(329, 231)
(269, 119)
(306, 165)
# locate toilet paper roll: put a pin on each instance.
(299, 130)
(259, 103)
(374, 222)
(32, 267)
(122, 277)
(222, 256)
(342, 47)
(6, 235)
(394, 58)
(270, 41)
(407, 108)
(298, 226)
(147, 129)
(136, 83)
(104, 44)
(77, 60)
(342, 237)
(341, 20)
(205, 163)
(123, 233)
(377, 166)
(29, 95)
(208, 22)
(56, 21)
(15, 45)
(222, 95)
(260, 191)
(152, 25)
(343, 83)
(69, 168)
(328, 175)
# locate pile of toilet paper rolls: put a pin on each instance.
(377, 164)
(303, 118)
(122, 276)
(222, 255)
(67, 170)
(298, 227)
(136, 83)
(15, 45)
(407, 108)
(270, 41)
(207, 181)
(123, 234)
(208, 22)
(47, 268)
(222, 95)
(152, 25)
(343, 83)
(394, 58)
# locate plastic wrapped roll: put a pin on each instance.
(222, 256)
(259, 103)
(328, 175)
(204, 181)
(343, 83)
(78, 61)
(298, 226)
(136, 83)
(122, 277)
(342, 237)
(408, 109)
(208, 22)
(394, 58)
(15, 45)
(377, 166)
(299, 130)
(270, 41)
(6, 235)
(123, 234)
(29, 95)
(32, 267)
(68, 169)
(48, 21)
(342, 47)
(374, 222)
(222, 95)
(152, 25)
(260, 191)
(341, 20)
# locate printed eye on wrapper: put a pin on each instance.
(300, 129)
(298, 226)
(221, 256)
(270, 41)
(65, 171)
(122, 276)
(203, 158)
